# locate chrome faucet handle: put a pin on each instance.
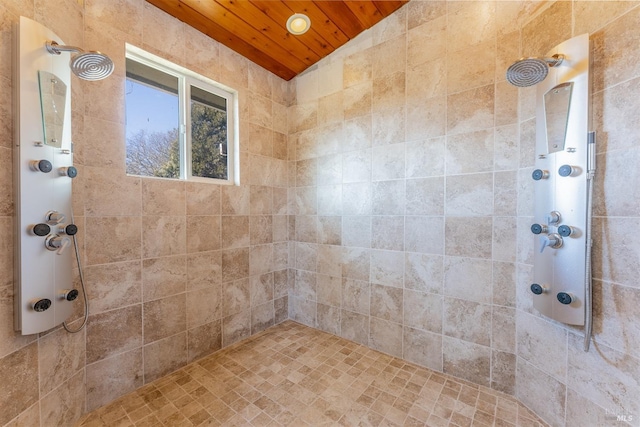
(553, 217)
(553, 240)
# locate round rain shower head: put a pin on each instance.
(531, 71)
(91, 65)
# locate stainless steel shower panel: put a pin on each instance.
(43, 171)
(561, 198)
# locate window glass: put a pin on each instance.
(152, 117)
(178, 124)
(209, 150)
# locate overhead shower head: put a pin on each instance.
(531, 71)
(91, 65)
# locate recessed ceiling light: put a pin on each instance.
(298, 23)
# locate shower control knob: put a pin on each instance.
(564, 298)
(41, 229)
(565, 231)
(539, 174)
(69, 171)
(70, 294)
(41, 166)
(552, 240)
(537, 289)
(566, 170)
(553, 217)
(539, 228)
(41, 305)
(69, 230)
(54, 217)
(57, 243)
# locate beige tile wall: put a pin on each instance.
(174, 270)
(401, 205)
(421, 162)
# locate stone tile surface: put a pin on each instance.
(293, 375)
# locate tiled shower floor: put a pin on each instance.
(293, 375)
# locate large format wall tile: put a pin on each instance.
(204, 306)
(111, 378)
(386, 336)
(542, 393)
(204, 339)
(163, 236)
(19, 373)
(467, 320)
(61, 356)
(164, 356)
(470, 152)
(163, 277)
(615, 129)
(547, 30)
(386, 303)
(113, 332)
(202, 233)
(468, 278)
(112, 239)
(468, 236)
(466, 360)
(503, 371)
(164, 317)
(537, 338)
(262, 317)
(467, 195)
(10, 340)
(204, 270)
(112, 286)
(423, 348)
(612, 69)
(615, 251)
(66, 403)
(607, 377)
(423, 310)
(615, 317)
(103, 155)
(426, 41)
(471, 66)
(163, 198)
(470, 110)
(581, 411)
(424, 272)
(387, 268)
(354, 327)
(618, 195)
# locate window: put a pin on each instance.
(179, 124)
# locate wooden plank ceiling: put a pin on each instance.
(257, 30)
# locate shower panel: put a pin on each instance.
(564, 167)
(43, 172)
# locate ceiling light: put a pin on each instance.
(298, 23)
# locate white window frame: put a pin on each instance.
(186, 79)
